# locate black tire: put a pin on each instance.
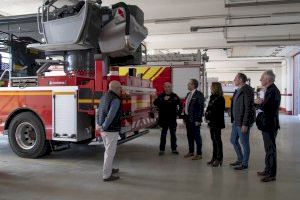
(27, 136)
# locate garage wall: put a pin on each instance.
(254, 76)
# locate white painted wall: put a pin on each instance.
(253, 75)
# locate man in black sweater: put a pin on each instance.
(268, 123)
(170, 107)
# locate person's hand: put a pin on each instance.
(98, 128)
(197, 123)
(258, 101)
(244, 129)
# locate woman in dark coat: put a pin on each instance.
(214, 115)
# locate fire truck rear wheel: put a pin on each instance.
(27, 136)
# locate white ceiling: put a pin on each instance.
(169, 23)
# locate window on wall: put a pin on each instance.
(297, 84)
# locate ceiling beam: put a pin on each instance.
(18, 19)
(259, 3)
(196, 28)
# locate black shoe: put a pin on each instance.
(237, 163)
(242, 167)
(268, 179)
(115, 171)
(263, 173)
(175, 152)
(217, 163)
(111, 178)
(161, 153)
(210, 162)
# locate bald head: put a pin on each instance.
(168, 88)
(115, 86)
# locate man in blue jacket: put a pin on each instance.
(109, 123)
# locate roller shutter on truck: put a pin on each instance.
(181, 77)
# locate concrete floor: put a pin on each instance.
(75, 173)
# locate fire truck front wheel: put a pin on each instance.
(27, 136)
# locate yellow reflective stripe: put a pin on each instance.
(123, 71)
(89, 101)
(141, 70)
(150, 73)
(85, 101)
(157, 74)
(23, 93)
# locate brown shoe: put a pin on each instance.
(197, 157)
(263, 173)
(188, 155)
(268, 179)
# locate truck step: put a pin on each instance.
(60, 146)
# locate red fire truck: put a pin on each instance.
(48, 112)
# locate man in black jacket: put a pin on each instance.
(169, 106)
(109, 123)
(269, 123)
(242, 119)
(194, 108)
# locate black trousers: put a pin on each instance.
(215, 134)
(271, 155)
(172, 127)
(193, 135)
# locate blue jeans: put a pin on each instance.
(236, 134)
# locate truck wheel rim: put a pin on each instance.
(26, 135)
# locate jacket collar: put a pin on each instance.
(240, 91)
(193, 92)
(113, 93)
(270, 86)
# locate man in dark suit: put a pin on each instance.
(194, 108)
(169, 106)
(242, 119)
(269, 107)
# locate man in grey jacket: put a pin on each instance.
(109, 123)
(242, 119)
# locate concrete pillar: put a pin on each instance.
(283, 89)
(290, 88)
